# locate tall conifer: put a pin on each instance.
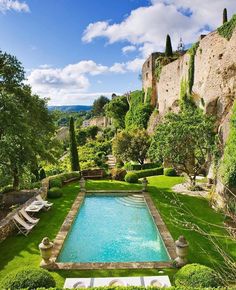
(74, 156)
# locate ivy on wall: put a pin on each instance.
(161, 61)
(227, 29)
(192, 52)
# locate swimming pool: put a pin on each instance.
(113, 229)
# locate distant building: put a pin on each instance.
(102, 122)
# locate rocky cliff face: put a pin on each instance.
(214, 86)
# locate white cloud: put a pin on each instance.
(129, 48)
(71, 83)
(15, 5)
(147, 27)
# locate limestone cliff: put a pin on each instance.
(214, 86)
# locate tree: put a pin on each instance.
(185, 141)
(131, 146)
(92, 131)
(74, 156)
(168, 51)
(98, 106)
(117, 109)
(225, 16)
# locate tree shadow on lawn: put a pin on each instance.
(194, 218)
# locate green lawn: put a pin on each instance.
(20, 251)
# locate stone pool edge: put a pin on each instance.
(65, 228)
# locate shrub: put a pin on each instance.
(151, 165)
(118, 174)
(196, 275)
(131, 177)
(30, 278)
(149, 172)
(170, 172)
(130, 167)
(69, 175)
(54, 192)
(55, 182)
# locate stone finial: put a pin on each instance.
(182, 247)
(144, 183)
(45, 248)
(82, 184)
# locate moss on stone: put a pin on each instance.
(227, 29)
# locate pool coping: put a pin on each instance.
(65, 228)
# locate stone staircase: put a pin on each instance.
(111, 161)
(134, 200)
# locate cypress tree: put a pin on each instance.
(74, 157)
(225, 16)
(42, 174)
(169, 51)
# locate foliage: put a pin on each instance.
(55, 182)
(185, 141)
(228, 164)
(196, 275)
(117, 109)
(74, 157)
(139, 111)
(27, 128)
(149, 172)
(225, 16)
(168, 51)
(6, 189)
(170, 172)
(131, 177)
(91, 132)
(81, 137)
(130, 166)
(54, 192)
(192, 52)
(118, 174)
(131, 146)
(227, 29)
(42, 174)
(98, 106)
(148, 98)
(30, 278)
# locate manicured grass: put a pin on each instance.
(19, 251)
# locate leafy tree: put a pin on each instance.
(225, 16)
(81, 137)
(74, 157)
(117, 109)
(131, 146)
(168, 51)
(98, 106)
(92, 132)
(185, 141)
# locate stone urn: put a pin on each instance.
(182, 247)
(45, 248)
(82, 183)
(144, 183)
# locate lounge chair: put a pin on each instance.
(22, 226)
(45, 202)
(28, 218)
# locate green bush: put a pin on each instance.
(54, 192)
(131, 177)
(196, 275)
(170, 172)
(55, 182)
(118, 174)
(69, 175)
(151, 165)
(30, 278)
(149, 172)
(130, 167)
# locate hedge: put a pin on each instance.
(149, 172)
(135, 167)
(131, 177)
(54, 192)
(170, 172)
(59, 179)
(143, 288)
(29, 278)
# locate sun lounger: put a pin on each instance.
(22, 226)
(45, 202)
(28, 218)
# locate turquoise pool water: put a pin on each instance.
(113, 229)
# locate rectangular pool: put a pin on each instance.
(113, 229)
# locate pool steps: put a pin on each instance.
(132, 200)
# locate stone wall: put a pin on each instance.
(7, 226)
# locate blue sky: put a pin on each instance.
(75, 50)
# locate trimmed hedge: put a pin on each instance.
(54, 192)
(131, 177)
(59, 179)
(196, 275)
(55, 182)
(149, 172)
(170, 172)
(30, 278)
(134, 167)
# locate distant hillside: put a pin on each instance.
(76, 108)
